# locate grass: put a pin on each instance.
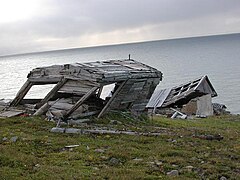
(39, 154)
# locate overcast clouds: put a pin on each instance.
(39, 25)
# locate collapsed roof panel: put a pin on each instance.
(181, 94)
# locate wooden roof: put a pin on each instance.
(99, 71)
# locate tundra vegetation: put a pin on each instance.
(183, 150)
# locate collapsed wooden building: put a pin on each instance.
(193, 97)
(78, 88)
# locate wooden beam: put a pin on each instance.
(99, 91)
(45, 80)
(111, 99)
(22, 93)
(80, 102)
(43, 109)
(52, 92)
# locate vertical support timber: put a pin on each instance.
(80, 102)
(52, 92)
(111, 99)
(22, 93)
(100, 91)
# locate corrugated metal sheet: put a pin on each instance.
(181, 94)
(158, 98)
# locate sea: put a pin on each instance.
(180, 60)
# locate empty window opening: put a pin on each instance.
(39, 91)
(107, 91)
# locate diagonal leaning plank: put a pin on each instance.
(80, 102)
(111, 99)
(52, 92)
(21, 93)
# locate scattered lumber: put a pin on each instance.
(101, 131)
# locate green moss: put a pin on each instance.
(39, 154)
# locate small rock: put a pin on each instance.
(37, 165)
(223, 178)
(206, 154)
(73, 131)
(95, 168)
(138, 159)
(114, 161)
(173, 173)
(87, 147)
(14, 139)
(103, 157)
(57, 130)
(158, 163)
(5, 139)
(189, 168)
(174, 141)
(194, 158)
(99, 150)
(72, 146)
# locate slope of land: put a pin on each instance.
(185, 148)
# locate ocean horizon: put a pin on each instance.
(180, 60)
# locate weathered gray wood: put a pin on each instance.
(77, 87)
(82, 78)
(11, 113)
(43, 109)
(77, 82)
(80, 102)
(101, 131)
(21, 93)
(62, 106)
(45, 80)
(52, 92)
(111, 99)
(75, 90)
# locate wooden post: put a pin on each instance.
(52, 92)
(99, 91)
(111, 99)
(22, 93)
(43, 109)
(80, 102)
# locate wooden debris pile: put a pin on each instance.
(78, 88)
(192, 98)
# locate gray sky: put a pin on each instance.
(39, 25)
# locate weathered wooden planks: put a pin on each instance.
(21, 93)
(11, 113)
(52, 92)
(80, 102)
(134, 81)
(111, 99)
